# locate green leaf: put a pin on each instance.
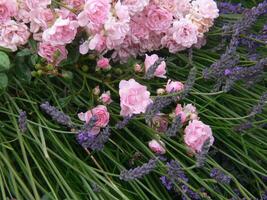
(3, 81)
(24, 52)
(4, 62)
(34, 59)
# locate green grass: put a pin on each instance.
(47, 163)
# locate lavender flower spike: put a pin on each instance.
(138, 172)
(56, 115)
(219, 176)
(22, 121)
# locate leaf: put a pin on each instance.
(22, 70)
(34, 59)
(3, 81)
(24, 52)
(73, 57)
(4, 62)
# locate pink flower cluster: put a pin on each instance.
(128, 28)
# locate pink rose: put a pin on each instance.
(196, 133)
(206, 8)
(62, 32)
(53, 54)
(103, 63)
(41, 18)
(77, 4)
(105, 98)
(185, 32)
(96, 90)
(160, 122)
(157, 147)
(161, 69)
(97, 43)
(174, 86)
(138, 29)
(33, 4)
(94, 12)
(13, 34)
(179, 111)
(134, 97)
(135, 6)
(100, 112)
(158, 19)
(8, 9)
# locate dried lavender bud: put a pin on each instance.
(100, 140)
(219, 176)
(56, 115)
(124, 122)
(139, 172)
(227, 8)
(189, 82)
(189, 193)
(201, 157)
(166, 182)
(175, 126)
(22, 121)
(151, 70)
(175, 173)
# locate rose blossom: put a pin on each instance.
(62, 32)
(100, 112)
(96, 90)
(179, 111)
(134, 97)
(174, 86)
(33, 4)
(196, 133)
(77, 4)
(103, 63)
(161, 69)
(94, 12)
(185, 32)
(135, 6)
(53, 54)
(157, 147)
(40, 18)
(191, 111)
(13, 34)
(8, 9)
(160, 122)
(206, 8)
(105, 98)
(158, 19)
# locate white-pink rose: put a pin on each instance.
(105, 98)
(100, 112)
(13, 34)
(196, 133)
(53, 54)
(135, 6)
(174, 86)
(103, 63)
(158, 19)
(77, 4)
(185, 33)
(94, 12)
(41, 18)
(134, 98)
(157, 147)
(62, 32)
(161, 69)
(33, 4)
(205, 8)
(8, 9)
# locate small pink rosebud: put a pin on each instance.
(161, 91)
(103, 63)
(157, 147)
(138, 68)
(96, 90)
(179, 111)
(174, 86)
(105, 98)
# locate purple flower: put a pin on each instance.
(22, 121)
(56, 115)
(219, 176)
(227, 7)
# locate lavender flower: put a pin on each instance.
(175, 126)
(124, 122)
(189, 82)
(151, 70)
(139, 172)
(95, 187)
(201, 157)
(95, 142)
(166, 182)
(219, 176)
(22, 121)
(227, 7)
(56, 115)
(257, 109)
